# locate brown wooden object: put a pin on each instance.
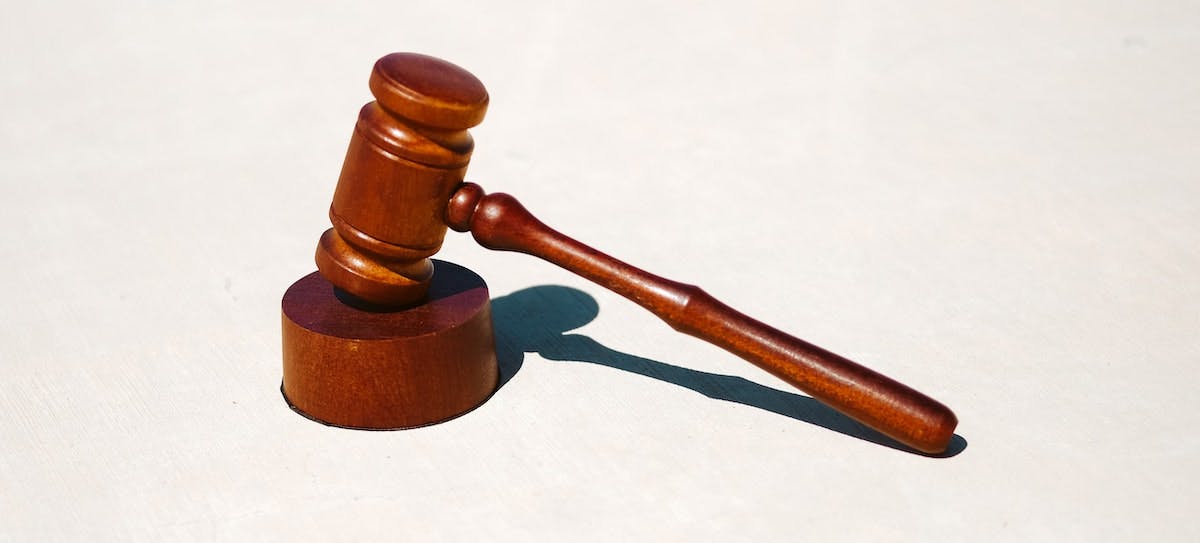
(395, 345)
(360, 368)
(409, 152)
(498, 221)
(401, 187)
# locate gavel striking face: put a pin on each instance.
(402, 185)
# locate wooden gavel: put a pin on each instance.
(402, 185)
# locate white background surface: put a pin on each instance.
(997, 205)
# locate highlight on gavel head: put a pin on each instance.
(408, 154)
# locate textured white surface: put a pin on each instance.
(998, 205)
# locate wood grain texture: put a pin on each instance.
(409, 151)
(499, 221)
(363, 368)
(400, 188)
(999, 201)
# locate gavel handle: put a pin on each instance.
(498, 221)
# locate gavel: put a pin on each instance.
(400, 189)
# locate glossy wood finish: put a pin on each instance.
(409, 151)
(401, 186)
(401, 345)
(361, 368)
(498, 221)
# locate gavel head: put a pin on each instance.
(408, 154)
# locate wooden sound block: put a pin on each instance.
(351, 366)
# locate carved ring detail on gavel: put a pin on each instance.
(401, 187)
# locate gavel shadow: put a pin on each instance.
(537, 319)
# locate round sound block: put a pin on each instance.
(359, 368)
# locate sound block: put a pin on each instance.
(352, 366)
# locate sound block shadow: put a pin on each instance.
(537, 319)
